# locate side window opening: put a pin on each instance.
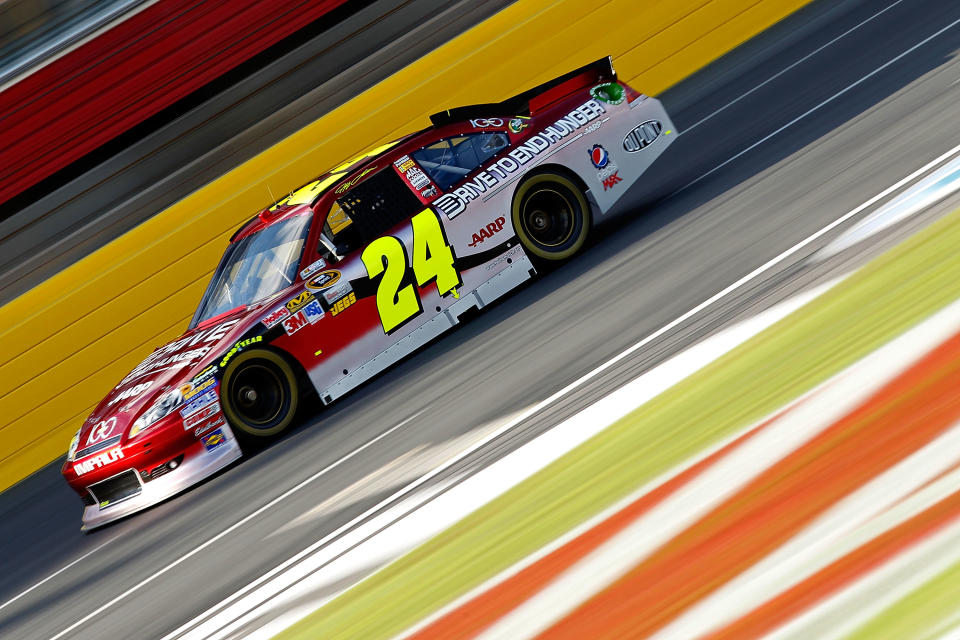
(368, 210)
(450, 160)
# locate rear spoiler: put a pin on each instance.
(529, 102)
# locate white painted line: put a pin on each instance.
(812, 110)
(791, 66)
(55, 574)
(935, 187)
(616, 557)
(312, 574)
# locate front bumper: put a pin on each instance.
(198, 463)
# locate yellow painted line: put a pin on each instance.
(67, 341)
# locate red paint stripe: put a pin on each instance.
(477, 614)
(146, 63)
(905, 415)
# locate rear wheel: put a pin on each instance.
(551, 216)
(259, 394)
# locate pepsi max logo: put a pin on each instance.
(642, 136)
(599, 156)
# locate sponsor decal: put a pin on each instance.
(132, 392)
(97, 461)
(214, 440)
(203, 414)
(202, 429)
(203, 400)
(208, 372)
(180, 353)
(343, 188)
(611, 93)
(599, 156)
(609, 172)
(429, 192)
(642, 136)
(313, 268)
(295, 322)
(303, 298)
(321, 281)
(418, 179)
(335, 293)
(483, 123)
(313, 311)
(102, 431)
(610, 179)
(518, 124)
(405, 164)
(191, 390)
(454, 203)
(274, 317)
(238, 347)
(488, 231)
(340, 305)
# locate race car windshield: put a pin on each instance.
(255, 267)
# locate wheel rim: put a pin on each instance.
(548, 217)
(258, 392)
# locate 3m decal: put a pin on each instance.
(303, 299)
(397, 299)
(274, 317)
(312, 268)
(102, 431)
(295, 322)
(238, 347)
(340, 305)
(642, 136)
(454, 203)
(611, 93)
(207, 412)
(488, 231)
(322, 280)
(97, 461)
(214, 440)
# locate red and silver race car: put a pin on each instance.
(361, 267)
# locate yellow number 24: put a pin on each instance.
(397, 303)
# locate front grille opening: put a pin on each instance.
(162, 469)
(116, 489)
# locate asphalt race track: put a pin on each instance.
(828, 133)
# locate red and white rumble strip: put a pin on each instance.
(806, 525)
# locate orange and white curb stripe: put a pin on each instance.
(750, 539)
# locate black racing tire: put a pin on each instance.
(551, 216)
(260, 394)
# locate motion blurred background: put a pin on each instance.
(734, 414)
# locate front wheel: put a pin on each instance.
(259, 394)
(551, 216)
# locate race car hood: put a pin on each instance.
(168, 367)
